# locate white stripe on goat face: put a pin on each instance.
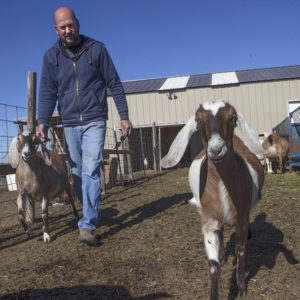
(26, 150)
(216, 145)
(214, 106)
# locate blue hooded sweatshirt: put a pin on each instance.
(79, 82)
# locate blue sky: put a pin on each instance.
(151, 39)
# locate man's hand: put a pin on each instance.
(126, 127)
(42, 132)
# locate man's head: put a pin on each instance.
(66, 26)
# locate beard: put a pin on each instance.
(70, 40)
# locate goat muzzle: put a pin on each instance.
(216, 149)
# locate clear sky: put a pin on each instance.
(152, 39)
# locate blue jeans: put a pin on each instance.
(84, 146)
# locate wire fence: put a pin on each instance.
(124, 160)
(8, 127)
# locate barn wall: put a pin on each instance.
(264, 104)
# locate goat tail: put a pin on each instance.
(13, 155)
(179, 144)
(249, 136)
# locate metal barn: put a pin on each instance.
(261, 95)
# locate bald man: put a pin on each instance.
(76, 72)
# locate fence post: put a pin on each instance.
(118, 156)
(31, 122)
(159, 148)
(128, 155)
(154, 147)
(142, 151)
(102, 177)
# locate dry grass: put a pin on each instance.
(152, 248)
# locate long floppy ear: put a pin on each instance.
(44, 151)
(249, 136)
(179, 144)
(13, 154)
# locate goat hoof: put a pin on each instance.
(242, 289)
(46, 237)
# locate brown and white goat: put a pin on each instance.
(226, 180)
(40, 176)
(278, 148)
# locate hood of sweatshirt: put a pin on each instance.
(83, 46)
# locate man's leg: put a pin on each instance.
(93, 138)
(74, 153)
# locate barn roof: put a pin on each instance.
(211, 79)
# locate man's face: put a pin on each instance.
(67, 28)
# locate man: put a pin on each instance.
(76, 72)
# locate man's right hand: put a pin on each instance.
(42, 132)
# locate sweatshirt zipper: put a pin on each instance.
(77, 84)
(77, 90)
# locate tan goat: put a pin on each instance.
(41, 176)
(278, 148)
(226, 179)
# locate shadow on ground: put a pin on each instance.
(261, 250)
(103, 292)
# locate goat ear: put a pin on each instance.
(13, 154)
(44, 151)
(249, 136)
(179, 144)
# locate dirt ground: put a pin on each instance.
(152, 248)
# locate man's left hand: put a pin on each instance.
(126, 127)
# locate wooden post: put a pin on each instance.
(142, 151)
(118, 156)
(31, 122)
(128, 155)
(159, 147)
(102, 177)
(154, 147)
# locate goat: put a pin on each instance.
(40, 176)
(278, 148)
(226, 179)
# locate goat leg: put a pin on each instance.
(72, 196)
(45, 220)
(214, 272)
(21, 207)
(240, 251)
(222, 256)
(212, 246)
(265, 164)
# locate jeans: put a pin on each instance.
(84, 146)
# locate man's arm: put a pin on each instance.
(114, 83)
(47, 99)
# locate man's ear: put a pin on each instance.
(55, 28)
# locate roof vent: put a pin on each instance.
(224, 78)
(175, 83)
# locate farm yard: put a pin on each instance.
(152, 247)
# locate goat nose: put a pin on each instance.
(216, 150)
(26, 154)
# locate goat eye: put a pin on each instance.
(234, 118)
